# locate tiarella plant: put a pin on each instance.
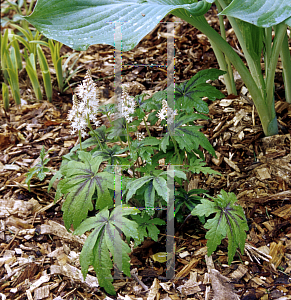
(39, 169)
(88, 173)
(253, 22)
(229, 221)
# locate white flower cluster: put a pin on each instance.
(167, 111)
(126, 106)
(85, 106)
(139, 135)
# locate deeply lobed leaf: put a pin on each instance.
(229, 220)
(104, 240)
(81, 181)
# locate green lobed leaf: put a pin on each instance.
(103, 264)
(81, 23)
(189, 93)
(160, 185)
(147, 226)
(202, 76)
(229, 220)
(86, 256)
(128, 227)
(165, 142)
(80, 183)
(198, 165)
(217, 232)
(136, 184)
(206, 208)
(104, 199)
(177, 173)
(189, 138)
(104, 240)
(114, 242)
(149, 196)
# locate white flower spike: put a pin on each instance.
(126, 107)
(167, 112)
(85, 106)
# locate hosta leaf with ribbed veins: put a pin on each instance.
(81, 23)
(262, 13)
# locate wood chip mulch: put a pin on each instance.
(39, 258)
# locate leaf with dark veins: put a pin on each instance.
(81, 181)
(104, 243)
(229, 220)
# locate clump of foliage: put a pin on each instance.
(122, 156)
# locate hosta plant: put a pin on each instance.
(253, 22)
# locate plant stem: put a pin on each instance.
(280, 32)
(286, 63)
(257, 96)
(176, 149)
(95, 135)
(255, 67)
(30, 7)
(147, 128)
(111, 123)
(223, 66)
(80, 139)
(229, 80)
(268, 47)
(127, 133)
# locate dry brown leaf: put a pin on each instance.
(154, 289)
(222, 287)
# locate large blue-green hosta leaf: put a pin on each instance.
(263, 13)
(81, 23)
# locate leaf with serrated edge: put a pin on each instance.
(202, 76)
(189, 137)
(136, 184)
(103, 264)
(165, 142)
(206, 208)
(78, 202)
(104, 198)
(149, 196)
(114, 242)
(198, 165)
(127, 226)
(229, 221)
(103, 240)
(217, 232)
(160, 185)
(177, 173)
(79, 185)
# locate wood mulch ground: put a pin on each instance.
(39, 258)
